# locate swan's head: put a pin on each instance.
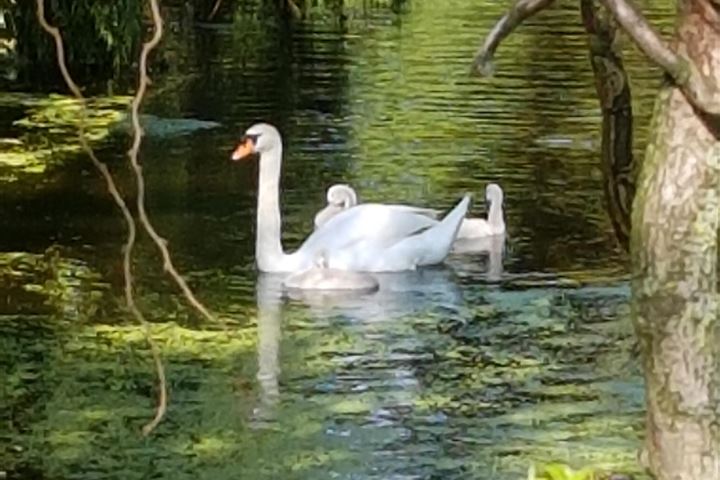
(493, 193)
(260, 138)
(342, 195)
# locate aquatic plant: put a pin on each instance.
(560, 471)
(48, 129)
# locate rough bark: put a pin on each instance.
(674, 255)
(700, 88)
(613, 90)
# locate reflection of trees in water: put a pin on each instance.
(400, 295)
(560, 206)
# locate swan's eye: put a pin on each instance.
(248, 137)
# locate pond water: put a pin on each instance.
(475, 369)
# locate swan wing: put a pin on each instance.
(372, 237)
(331, 210)
(368, 223)
(324, 215)
(430, 246)
(428, 212)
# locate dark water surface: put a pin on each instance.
(445, 373)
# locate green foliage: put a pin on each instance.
(560, 471)
(47, 283)
(101, 37)
(343, 6)
(48, 129)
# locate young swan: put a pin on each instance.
(342, 196)
(494, 224)
(320, 277)
(339, 197)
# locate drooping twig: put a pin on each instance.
(294, 9)
(112, 189)
(215, 9)
(699, 91)
(518, 13)
(613, 90)
(140, 180)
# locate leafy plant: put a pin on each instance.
(560, 471)
(105, 37)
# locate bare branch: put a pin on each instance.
(518, 13)
(696, 86)
(112, 189)
(140, 180)
(215, 9)
(294, 9)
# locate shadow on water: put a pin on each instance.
(471, 370)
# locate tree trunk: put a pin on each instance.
(674, 254)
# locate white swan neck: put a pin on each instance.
(268, 247)
(495, 215)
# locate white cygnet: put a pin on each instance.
(339, 197)
(320, 277)
(494, 224)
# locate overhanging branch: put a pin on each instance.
(115, 194)
(696, 86)
(518, 13)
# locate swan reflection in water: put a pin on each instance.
(398, 295)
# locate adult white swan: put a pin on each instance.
(342, 196)
(367, 238)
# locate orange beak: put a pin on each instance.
(244, 149)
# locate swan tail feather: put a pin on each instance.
(453, 220)
(433, 245)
